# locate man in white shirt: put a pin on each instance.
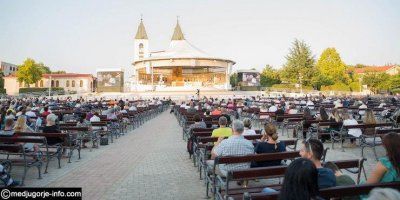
(362, 109)
(273, 108)
(29, 112)
(133, 108)
(95, 117)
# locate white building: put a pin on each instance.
(79, 83)
(181, 66)
(8, 68)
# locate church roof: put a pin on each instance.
(141, 32)
(180, 48)
(178, 35)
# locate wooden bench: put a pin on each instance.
(342, 134)
(16, 154)
(54, 150)
(212, 177)
(328, 193)
(205, 146)
(273, 172)
(378, 133)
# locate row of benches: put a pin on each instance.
(52, 145)
(221, 186)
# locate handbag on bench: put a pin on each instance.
(103, 140)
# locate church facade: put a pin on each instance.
(180, 67)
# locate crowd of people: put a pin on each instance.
(305, 176)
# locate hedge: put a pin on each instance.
(29, 90)
(289, 87)
(2, 90)
(336, 87)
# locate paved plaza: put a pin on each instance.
(150, 162)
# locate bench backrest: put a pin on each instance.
(333, 192)
(257, 157)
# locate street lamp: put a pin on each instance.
(301, 85)
(50, 87)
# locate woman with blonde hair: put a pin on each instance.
(21, 126)
(269, 144)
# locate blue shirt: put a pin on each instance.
(326, 178)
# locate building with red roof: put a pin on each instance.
(389, 69)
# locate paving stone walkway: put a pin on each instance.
(148, 163)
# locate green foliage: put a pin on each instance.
(360, 66)
(233, 79)
(355, 86)
(2, 91)
(29, 90)
(44, 69)
(336, 87)
(299, 62)
(377, 81)
(290, 87)
(319, 80)
(59, 72)
(331, 66)
(1, 80)
(394, 82)
(269, 77)
(29, 72)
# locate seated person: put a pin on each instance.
(388, 168)
(273, 108)
(21, 126)
(341, 179)
(312, 149)
(197, 123)
(216, 111)
(52, 127)
(269, 144)
(222, 131)
(299, 171)
(235, 145)
(8, 128)
(247, 127)
(355, 132)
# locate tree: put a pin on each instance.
(377, 81)
(29, 72)
(299, 62)
(395, 82)
(44, 69)
(59, 72)
(360, 66)
(233, 79)
(331, 66)
(269, 77)
(319, 80)
(1, 80)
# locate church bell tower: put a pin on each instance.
(141, 43)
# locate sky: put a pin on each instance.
(83, 35)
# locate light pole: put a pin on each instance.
(301, 85)
(50, 87)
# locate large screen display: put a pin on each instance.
(250, 79)
(110, 81)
